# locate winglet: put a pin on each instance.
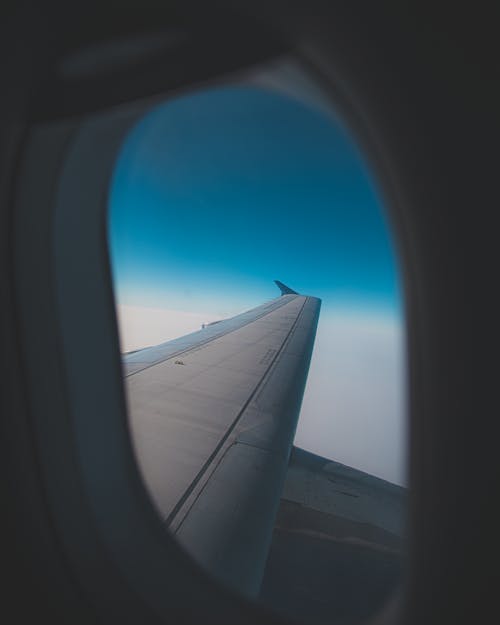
(285, 290)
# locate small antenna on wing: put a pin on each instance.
(285, 290)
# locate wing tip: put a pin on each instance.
(285, 290)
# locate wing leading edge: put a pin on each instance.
(213, 416)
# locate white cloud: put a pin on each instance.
(142, 327)
(354, 406)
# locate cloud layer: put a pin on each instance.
(354, 406)
(142, 327)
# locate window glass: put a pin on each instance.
(216, 194)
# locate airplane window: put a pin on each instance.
(285, 480)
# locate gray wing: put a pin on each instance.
(212, 417)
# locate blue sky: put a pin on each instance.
(217, 193)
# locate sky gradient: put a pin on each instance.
(216, 194)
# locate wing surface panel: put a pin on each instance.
(212, 421)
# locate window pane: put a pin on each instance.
(216, 194)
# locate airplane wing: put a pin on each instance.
(212, 417)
